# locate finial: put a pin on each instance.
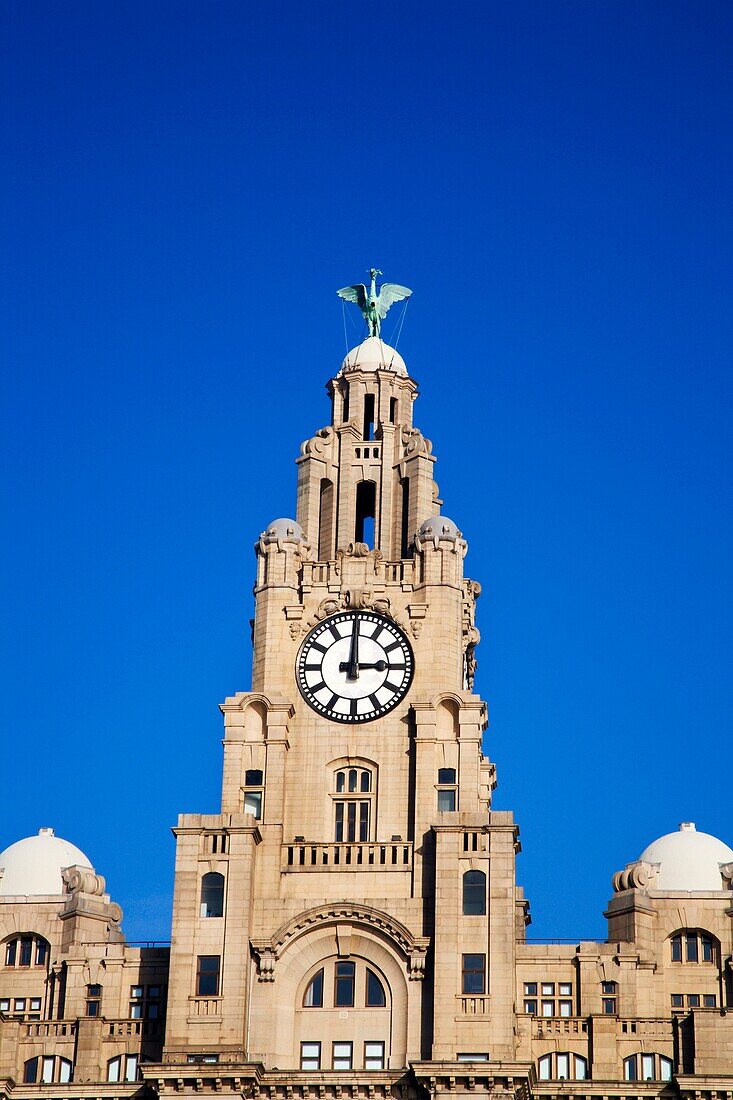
(373, 305)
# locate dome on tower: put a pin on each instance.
(374, 354)
(438, 529)
(687, 860)
(281, 529)
(33, 866)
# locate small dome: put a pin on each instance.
(34, 865)
(374, 354)
(438, 529)
(283, 529)
(688, 860)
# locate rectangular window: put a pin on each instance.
(566, 989)
(548, 1008)
(207, 976)
(35, 1004)
(41, 951)
(136, 992)
(363, 821)
(693, 1000)
(446, 801)
(530, 989)
(548, 989)
(343, 994)
(92, 1008)
(691, 947)
(474, 974)
(563, 1066)
(678, 1001)
(368, 423)
(5, 1005)
(26, 951)
(647, 1067)
(310, 1055)
(19, 1004)
(113, 1069)
(473, 1057)
(609, 1006)
(530, 1007)
(342, 1055)
(676, 949)
(608, 987)
(10, 952)
(706, 945)
(253, 804)
(47, 1077)
(373, 1056)
(709, 1000)
(131, 1067)
(566, 1008)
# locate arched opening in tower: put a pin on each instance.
(366, 505)
(325, 521)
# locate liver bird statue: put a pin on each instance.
(374, 306)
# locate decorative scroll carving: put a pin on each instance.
(726, 870)
(635, 876)
(415, 443)
(329, 605)
(82, 880)
(320, 444)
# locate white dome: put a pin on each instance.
(283, 529)
(688, 860)
(34, 865)
(374, 354)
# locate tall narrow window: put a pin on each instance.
(474, 894)
(392, 410)
(405, 518)
(369, 416)
(94, 1000)
(446, 787)
(207, 976)
(343, 993)
(474, 974)
(212, 895)
(374, 991)
(353, 805)
(314, 993)
(366, 503)
(253, 792)
(325, 520)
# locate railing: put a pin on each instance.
(394, 856)
(558, 1025)
(49, 1029)
(322, 574)
(120, 1029)
(205, 1006)
(648, 1028)
(474, 1004)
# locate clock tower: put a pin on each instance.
(353, 906)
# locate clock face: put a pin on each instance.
(354, 667)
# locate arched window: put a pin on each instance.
(562, 1066)
(353, 805)
(212, 895)
(26, 950)
(474, 894)
(648, 1067)
(375, 997)
(694, 945)
(46, 1070)
(314, 993)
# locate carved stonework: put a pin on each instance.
(82, 880)
(320, 445)
(415, 443)
(635, 876)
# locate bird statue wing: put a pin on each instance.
(389, 294)
(356, 294)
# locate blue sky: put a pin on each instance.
(184, 188)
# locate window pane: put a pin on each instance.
(253, 803)
(566, 1008)
(608, 987)
(41, 952)
(474, 970)
(609, 1006)
(339, 822)
(92, 1008)
(647, 1067)
(363, 821)
(10, 954)
(310, 1055)
(351, 828)
(665, 1068)
(693, 1000)
(446, 801)
(344, 990)
(548, 1008)
(530, 989)
(563, 1067)
(630, 1069)
(136, 1010)
(131, 1068)
(446, 775)
(47, 1076)
(314, 993)
(373, 1055)
(366, 781)
(64, 1069)
(676, 949)
(212, 895)
(340, 781)
(136, 991)
(545, 1068)
(36, 1004)
(548, 989)
(113, 1070)
(474, 894)
(691, 947)
(709, 1000)
(253, 778)
(30, 1072)
(581, 1068)
(375, 991)
(342, 1055)
(677, 1000)
(566, 989)
(26, 948)
(207, 984)
(530, 1007)
(707, 948)
(352, 779)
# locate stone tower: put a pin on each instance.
(321, 921)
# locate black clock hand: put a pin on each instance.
(380, 666)
(352, 666)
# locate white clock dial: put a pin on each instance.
(354, 666)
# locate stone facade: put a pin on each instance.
(349, 924)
